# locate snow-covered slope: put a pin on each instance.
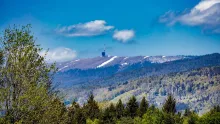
(101, 62)
(106, 62)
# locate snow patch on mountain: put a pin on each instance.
(63, 68)
(77, 60)
(146, 57)
(124, 64)
(106, 62)
(126, 58)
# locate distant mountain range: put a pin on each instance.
(111, 78)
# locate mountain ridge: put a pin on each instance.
(117, 73)
(98, 62)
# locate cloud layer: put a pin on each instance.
(59, 54)
(92, 28)
(123, 35)
(205, 14)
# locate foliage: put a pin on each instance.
(143, 107)
(26, 92)
(89, 121)
(120, 109)
(76, 114)
(153, 116)
(132, 107)
(91, 108)
(170, 105)
(212, 117)
(125, 120)
(109, 115)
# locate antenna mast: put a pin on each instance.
(103, 53)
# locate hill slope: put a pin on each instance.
(196, 89)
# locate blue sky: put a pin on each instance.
(80, 28)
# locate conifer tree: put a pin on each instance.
(170, 105)
(109, 114)
(187, 112)
(120, 109)
(79, 117)
(143, 107)
(215, 109)
(1, 58)
(76, 115)
(91, 108)
(132, 107)
(112, 110)
(105, 118)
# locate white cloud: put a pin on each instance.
(59, 54)
(123, 35)
(91, 28)
(205, 14)
(206, 4)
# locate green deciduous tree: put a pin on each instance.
(212, 117)
(152, 116)
(96, 121)
(27, 96)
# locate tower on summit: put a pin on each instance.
(103, 53)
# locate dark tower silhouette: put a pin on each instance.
(103, 53)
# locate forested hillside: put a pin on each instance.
(162, 68)
(197, 89)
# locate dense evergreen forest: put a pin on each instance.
(27, 95)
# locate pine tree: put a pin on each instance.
(91, 108)
(170, 105)
(76, 115)
(215, 109)
(1, 58)
(79, 117)
(143, 107)
(187, 112)
(112, 110)
(132, 107)
(105, 116)
(120, 109)
(109, 114)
